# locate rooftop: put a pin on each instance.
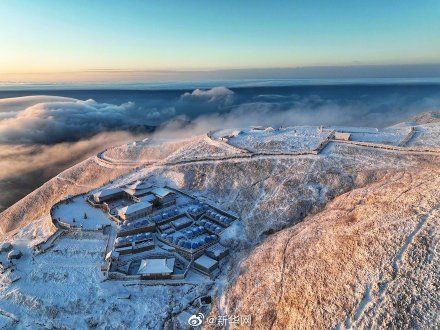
(107, 192)
(134, 208)
(206, 261)
(162, 192)
(157, 266)
(148, 198)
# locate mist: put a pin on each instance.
(41, 135)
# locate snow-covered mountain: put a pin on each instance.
(338, 229)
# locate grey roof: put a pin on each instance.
(107, 192)
(181, 221)
(157, 266)
(133, 208)
(205, 261)
(162, 192)
(148, 198)
(217, 249)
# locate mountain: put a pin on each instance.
(333, 232)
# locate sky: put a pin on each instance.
(50, 40)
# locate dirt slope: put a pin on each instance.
(75, 180)
(367, 260)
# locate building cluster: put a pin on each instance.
(162, 233)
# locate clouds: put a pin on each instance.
(15, 160)
(221, 96)
(19, 103)
(55, 120)
(45, 119)
(25, 167)
(41, 135)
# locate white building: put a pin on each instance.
(206, 264)
(139, 188)
(165, 196)
(108, 194)
(157, 268)
(217, 251)
(135, 211)
(150, 198)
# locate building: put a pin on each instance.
(135, 211)
(217, 251)
(150, 198)
(342, 136)
(165, 196)
(182, 222)
(138, 189)
(206, 265)
(137, 227)
(108, 194)
(156, 268)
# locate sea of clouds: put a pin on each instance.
(40, 135)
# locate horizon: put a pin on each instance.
(306, 76)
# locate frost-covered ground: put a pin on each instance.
(63, 287)
(391, 135)
(78, 213)
(290, 139)
(427, 135)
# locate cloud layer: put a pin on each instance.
(50, 119)
(64, 120)
(25, 167)
(42, 135)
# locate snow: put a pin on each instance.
(216, 251)
(5, 246)
(157, 266)
(427, 135)
(64, 288)
(161, 192)
(148, 198)
(206, 261)
(181, 222)
(392, 136)
(14, 254)
(76, 209)
(107, 192)
(133, 208)
(289, 140)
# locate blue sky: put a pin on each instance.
(59, 37)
